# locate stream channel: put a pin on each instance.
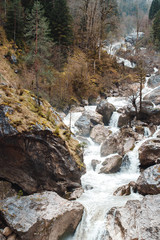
(98, 197)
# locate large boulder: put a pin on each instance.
(6, 190)
(41, 216)
(37, 161)
(111, 164)
(149, 181)
(99, 133)
(120, 142)
(36, 149)
(149, 153)
(154, 81)
(136, 220)
(106, 109)
(87, 121)
(154, 96)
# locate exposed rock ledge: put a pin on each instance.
(41, 216)
(36, 149)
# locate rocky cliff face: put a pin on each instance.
(36, 149)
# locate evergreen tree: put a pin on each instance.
(15, 21)
(61, 23)
(37, 37)
(155, 7)
(156, 29)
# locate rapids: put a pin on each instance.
(98, 196)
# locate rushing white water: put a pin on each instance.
(114, 120)
(98, 196)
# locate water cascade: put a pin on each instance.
(98, 196)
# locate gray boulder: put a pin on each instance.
(87, 121)
(136, 220)
(120, 142)
(106, 109)
(154, 96)
(99, 133)
(149, 153)
(111, 164)
(154, 81)
(41, 216)
(149, 181)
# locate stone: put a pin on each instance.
(76, 194)
(6, 190)
(38, 160)
(154, 81)
(137, 220)
(87, 121)
(40, 216)
(154, 96)
(7, 231)
(123, 120)
(94, 164)
(120, 142)
(37, 151)
(149, 153)
(106, 109)
(12, 237)
(125, 190)
(149, 181)
(99, 133)
(111, 164)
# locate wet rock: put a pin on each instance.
(154, 96)
(76, 194)
(106, 109)
(6, 190)
(120, 142)
(94, 164)
(123, 120)
(126, 189)
(99, 133)
(41, 216)
(38, 161)
(149, 181)
(87, 121)
(136, 220)
(111, 164)
(149, 153)
(7, 231)
(123, 191)
(88, 187)
(154, 81)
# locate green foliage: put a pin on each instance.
(20, 193)
(155, 7)
(61, 28)
(156, 30)
(129, 7)
(14, 25)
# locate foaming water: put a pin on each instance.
(98, 196)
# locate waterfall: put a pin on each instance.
(114, 120)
